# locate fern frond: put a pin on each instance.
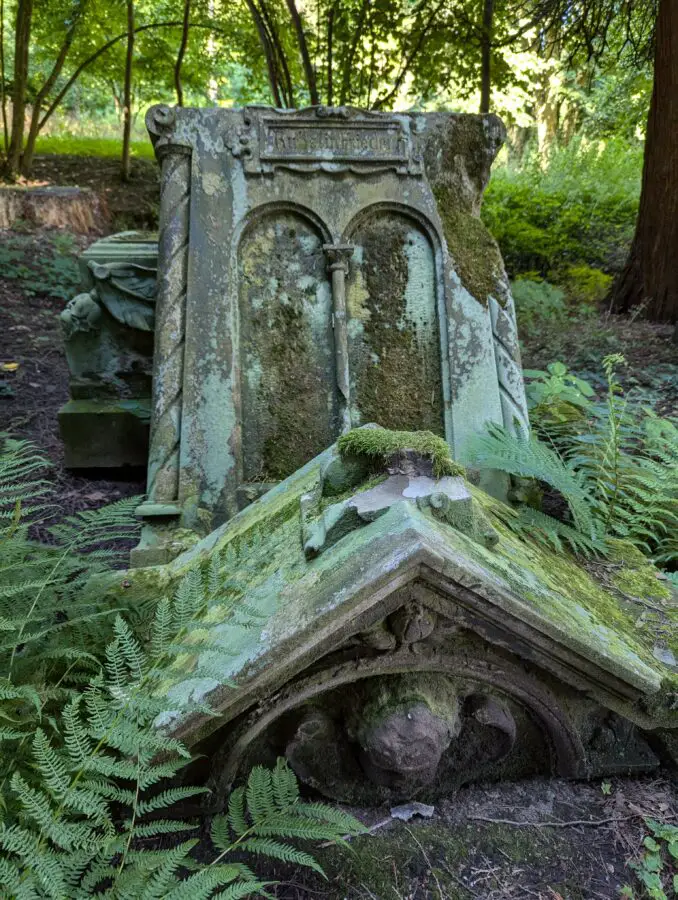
(264, 846)
(523, 455)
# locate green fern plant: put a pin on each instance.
(618, 476)
(88, 773)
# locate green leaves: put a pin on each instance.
(269, 808)
(660, 847)
(87, 774)
(614, 465)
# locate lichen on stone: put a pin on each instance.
(381, 443)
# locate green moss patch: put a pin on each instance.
(475, 253)
(381, 443)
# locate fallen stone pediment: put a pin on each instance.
(413, 649)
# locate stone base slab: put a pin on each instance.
(104, 433)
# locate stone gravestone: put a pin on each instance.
(371, 617)
(318, 270)
(108, 336)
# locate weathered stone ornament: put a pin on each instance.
(407, 654)
(108, 335)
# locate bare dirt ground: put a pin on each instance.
(541, 839)
(545, 839)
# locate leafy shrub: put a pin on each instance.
(556, 398)
(585, 285)
(537, 302)
(86, 773)
(660, 847)
(579, 207)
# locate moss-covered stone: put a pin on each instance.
(381, 444)
(394, 332)
(475, 253)
(636, 577)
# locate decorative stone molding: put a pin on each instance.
(334, 140)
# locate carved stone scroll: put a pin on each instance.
(509, 369)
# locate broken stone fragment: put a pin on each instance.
(448, 498)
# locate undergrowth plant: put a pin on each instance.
(657, 867)
(52, 272)
(87, 772)
(614, 464)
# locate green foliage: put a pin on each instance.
(537, 302)
(657, 867)
(380, 443)
(80, 145)
(87, 773)
(578, 207)
(557, 398)
(617, 471)
(44, 268)
(585, 285)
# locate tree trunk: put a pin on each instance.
(24, 16)
(486, 57)
(651, 273)
(127, 99)
(182, 51)
(3, 91)
(41, 96)
(309, 71)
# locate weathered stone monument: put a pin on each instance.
(387, 632)
(108, 335)
(317, 270)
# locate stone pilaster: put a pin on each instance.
(163, 503)
(338, 256)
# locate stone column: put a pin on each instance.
(170, 329)
(338, 256)
(162, 509)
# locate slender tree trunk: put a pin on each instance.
(651, 273)
(182, 52)
(127, 99)
(347, 70)
(24, 16)
(41, 96)
(486, 57)
(3, 91)
(284, 70)
(303, 49)
(269, 53)
(330, 53)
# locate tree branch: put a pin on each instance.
(303, 49)
(182, 51)
(379, 103)
(103, 49)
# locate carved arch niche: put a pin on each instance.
(394, 341)
(289, 408)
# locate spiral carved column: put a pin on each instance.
(170, 329)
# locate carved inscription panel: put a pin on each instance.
(299, 140)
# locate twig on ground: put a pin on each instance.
(569, 824)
